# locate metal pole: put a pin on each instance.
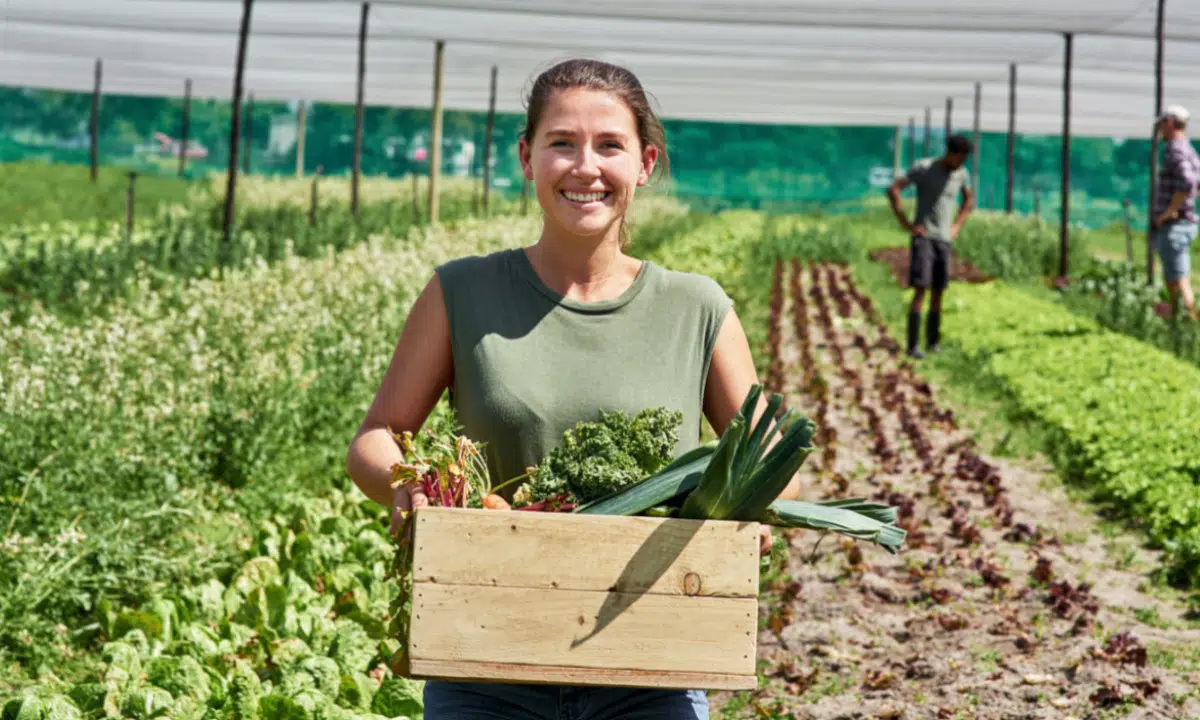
(949, 117)
(897, 152)
(129, 202)
(186, 127)
(435, 151)
(301, 130)
(912, 141)
(977, 138)
(1065, 216)
(487, 142)
(358, 114)
(231, 181)
(928, 130)
(312, 206)
(1012, 138)
(1158, 108)
(249, 133)
(94, 124)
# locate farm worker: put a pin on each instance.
(1175, 206)
(932, 231)
(532, 340)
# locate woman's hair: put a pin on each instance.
(599, 75)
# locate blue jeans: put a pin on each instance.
(1174, 242)
(496, 701)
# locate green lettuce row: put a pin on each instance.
(296, 632)
(1124, 414)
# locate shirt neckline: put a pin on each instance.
(601, 306)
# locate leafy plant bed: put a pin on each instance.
(897, 259)
(1007, 601)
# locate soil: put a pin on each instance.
(1007, 601)
(897, 258)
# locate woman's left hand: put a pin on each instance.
(764, 539)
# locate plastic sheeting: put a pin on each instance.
(839, 62)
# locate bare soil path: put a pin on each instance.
(1008, 600)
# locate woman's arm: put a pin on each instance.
(730, 377)
(421, 368)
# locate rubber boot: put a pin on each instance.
(933, 331)
(914, 335)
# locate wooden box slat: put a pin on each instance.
(587, 600)
(586, 552)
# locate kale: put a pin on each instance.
(601, 457)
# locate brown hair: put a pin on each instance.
(599, 75)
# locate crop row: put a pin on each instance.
(1123, 412)
(134, 444)
(79, 269)
(297, 630)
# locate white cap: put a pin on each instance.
(1176, 112)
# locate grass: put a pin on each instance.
(40, 193)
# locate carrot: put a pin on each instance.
(495, 502)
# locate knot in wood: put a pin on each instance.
(691, 584)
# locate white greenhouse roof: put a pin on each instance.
(838, 62)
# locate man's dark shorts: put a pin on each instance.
(929, 263)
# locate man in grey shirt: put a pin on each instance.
(939, 181)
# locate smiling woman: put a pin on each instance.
(533, 340)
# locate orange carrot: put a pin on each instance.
(495, 502)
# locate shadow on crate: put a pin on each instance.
(645, 568)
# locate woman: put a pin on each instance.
(533, 340)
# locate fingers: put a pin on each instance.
(764, 539)
(405, 499)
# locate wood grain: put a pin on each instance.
(546, 674)
(586, 552)
(582, 629)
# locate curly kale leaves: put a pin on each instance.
(601, 457)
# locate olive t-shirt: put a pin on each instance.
(937, 196)
(529, 363)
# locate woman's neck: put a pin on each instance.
(582, 269)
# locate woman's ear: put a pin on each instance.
(649, 160)
(526, 155)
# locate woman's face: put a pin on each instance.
(585, 161)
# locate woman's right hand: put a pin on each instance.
(405, 498)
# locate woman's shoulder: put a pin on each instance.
(692, 286)
(474, 267)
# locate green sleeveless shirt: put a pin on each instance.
(530, 363)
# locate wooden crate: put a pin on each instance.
(556, 598)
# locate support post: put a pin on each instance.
(1010, 162)
(312, 203)
(949, 117)
(1065, 215)
(487, 142)
(435, 150)
(185, 127)
(1128, 233)
(897, 152)
(248, 135)
(1158, 108)
(94, 123)
(928, 131)
(130, 199)
(912, 141)
(976, 139)
(301, 132)
(358, 113)
(239, 72)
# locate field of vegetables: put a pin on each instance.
(180, 539)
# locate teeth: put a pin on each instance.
(585, 197)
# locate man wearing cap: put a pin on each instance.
(938, 181)
(1174, 211)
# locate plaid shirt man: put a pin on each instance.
(1180, 172)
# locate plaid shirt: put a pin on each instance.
(1180, 172)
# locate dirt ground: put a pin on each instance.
(1008, 601)
(896, 258)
